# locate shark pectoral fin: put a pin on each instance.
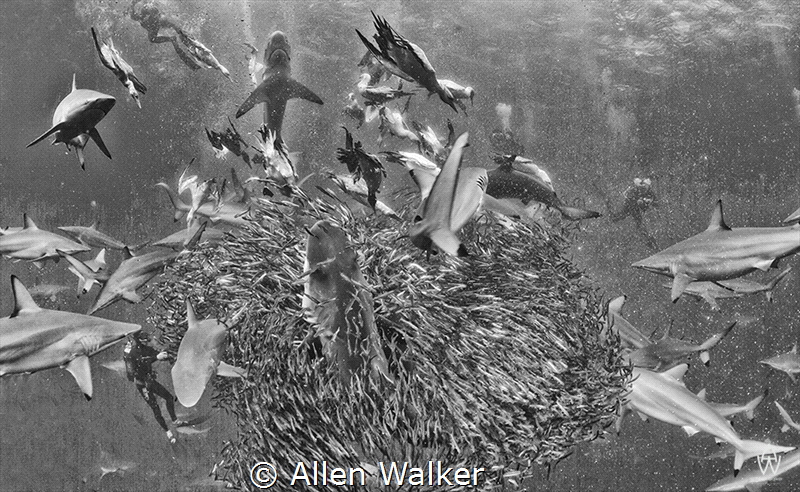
(259, 95)
(705, 358)
(46, 134)
(785, 428)
(131, 296)
(738, 461)
(756, 487)
(80, 370)
(229, 371)
(679, 284)
(296, 89)
(711, 301)
(99, 141)
(689, 430)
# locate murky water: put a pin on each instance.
(697, 96)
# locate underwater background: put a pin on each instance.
(697, 96)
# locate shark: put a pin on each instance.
(731, 289)
(90, 236)
(788, 363)
(87, 276)
(629, 335)
(663, 396)
(753, 478)
(434, 226)
(337, 302)
(36, 245)
(33, 339)
(199, 355)
(47, 291)
(77, 114)
(134, 272)
(721, 253)
(794, 216)
(229, 212)
(667, 352)
(730, 409)
(788, 422)
(521, 182)
(277, 85)
(178, 240)
(468, 198)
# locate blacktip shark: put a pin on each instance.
(753, 478)
(336, 301)
(33, 339)
(788, 363)
(668, 352)
(788, 422)
(728, 410)
(731, 289)
(36, 245)
(87, 275)
(468, 197)
(199, 356)
(112, 60)
(663, 396)
(522, 182)
(629, 335)
(722, 253)
(277, 85)
(178, 240)
(435, 226)
(794, 216)
(90, 236)
(78, 114)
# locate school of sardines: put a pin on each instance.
(709, 265)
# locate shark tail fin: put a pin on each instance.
(774, 283)
(750, 408)
(746, 449)
(712, 342)
(177, 203)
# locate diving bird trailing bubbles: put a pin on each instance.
(112, 59)
(33, 339)
(200, 356)
(277, 86)
(202, 54)
(405, 59)
(78, 114)
(459, 92)
(722, 253)
(362, 165)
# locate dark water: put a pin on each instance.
(696, 97)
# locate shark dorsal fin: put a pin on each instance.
(29, 224)
(100, 259)
(94, 225)
(677, 372)
(702, 394)
(74, 85)
(717, 220)
(23, 302)
(127, 253)
(191, 318)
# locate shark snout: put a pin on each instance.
(105, 104)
